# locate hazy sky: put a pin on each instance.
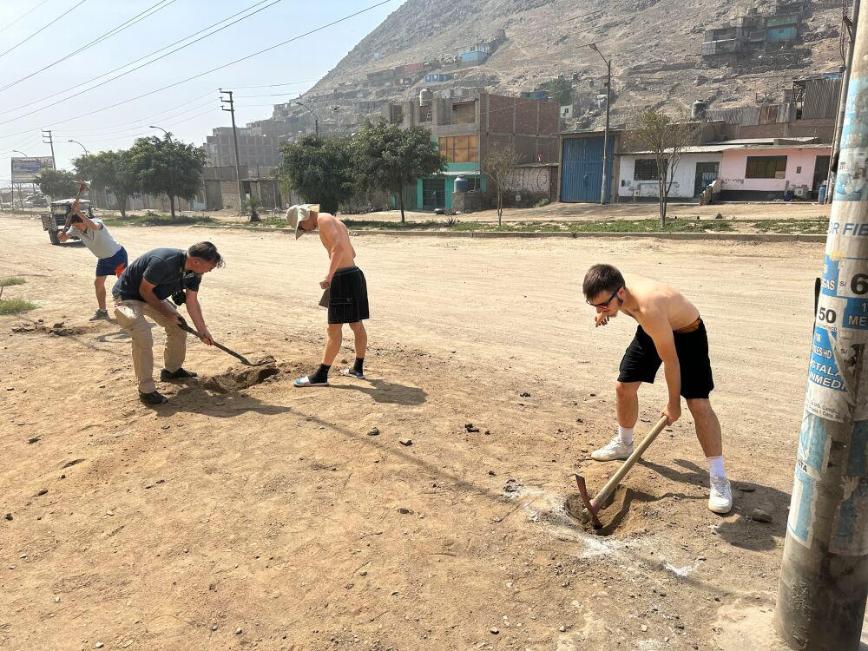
(189, 110)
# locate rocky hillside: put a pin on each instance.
(655, 47)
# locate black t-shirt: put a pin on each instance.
(163, 268)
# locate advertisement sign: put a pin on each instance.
(25, 170)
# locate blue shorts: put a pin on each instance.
(113, 266)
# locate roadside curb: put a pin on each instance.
(720, 237)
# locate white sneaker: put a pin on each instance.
(720, 496)
(614, 450)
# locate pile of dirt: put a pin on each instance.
(59, 329)
(238, 378)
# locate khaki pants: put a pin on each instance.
(131, 317)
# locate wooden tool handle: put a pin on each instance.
(81, 188)
(613, 482)
(237, 356)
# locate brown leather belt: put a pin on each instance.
(692, 327)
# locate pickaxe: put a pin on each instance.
(81, 188)
(593, 506)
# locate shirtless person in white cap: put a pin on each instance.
(346, 291)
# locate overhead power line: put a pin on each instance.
(114, 31)
(286, 83)
(43, 28)
(142, 58)
(143, 130)
(220, 67)
(21, 17)
(151, 118)
(287, 94)
(136, 124)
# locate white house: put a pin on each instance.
(697, 168)
(755, 169)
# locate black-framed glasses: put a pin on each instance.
(605, 304)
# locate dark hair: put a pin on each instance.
(206, 251)
(75, 218)
(602, 278)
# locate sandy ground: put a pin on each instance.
(570, 212)
(270, 518)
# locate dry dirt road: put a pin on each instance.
(580, 212)
(269, 518)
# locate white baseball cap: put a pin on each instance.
(298, 213)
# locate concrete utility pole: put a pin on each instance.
(231, 110)
(46, 133)
(824, 574)
(839, 118)
(603, 183)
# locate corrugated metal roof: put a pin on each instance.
(752, 143)
(821, 98)
(768, 141)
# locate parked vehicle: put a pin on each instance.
(54, 221)
(35, 200)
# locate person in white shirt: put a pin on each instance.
(111, 256)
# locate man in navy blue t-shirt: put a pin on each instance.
(142, 291)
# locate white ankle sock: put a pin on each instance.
(715, 467)
(626, 434)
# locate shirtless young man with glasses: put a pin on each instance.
(670, 332)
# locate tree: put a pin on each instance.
(166, 166)
(57, 184)
(320, 169)
(665, 138)
(560, 90)
(390, 158)
(498, 165)
(113, 170)
(252, 205)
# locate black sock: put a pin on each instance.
(321, 375)
(359, 366)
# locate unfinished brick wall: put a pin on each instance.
(531, 127)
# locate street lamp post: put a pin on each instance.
(86, 152)
(313, 113)
(171, 169)
(608, 62)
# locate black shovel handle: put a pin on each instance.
(239, 357)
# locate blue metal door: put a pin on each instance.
(582, 171)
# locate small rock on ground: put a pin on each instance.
(760, 515)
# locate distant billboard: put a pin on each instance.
(25, 170)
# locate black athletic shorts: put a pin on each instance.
(641, 361)
(348, 296)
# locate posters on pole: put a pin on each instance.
(25, 170)
(838, 366)
(841, 325)
(850, 526)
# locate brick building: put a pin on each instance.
(466, 128)
(255, 148)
